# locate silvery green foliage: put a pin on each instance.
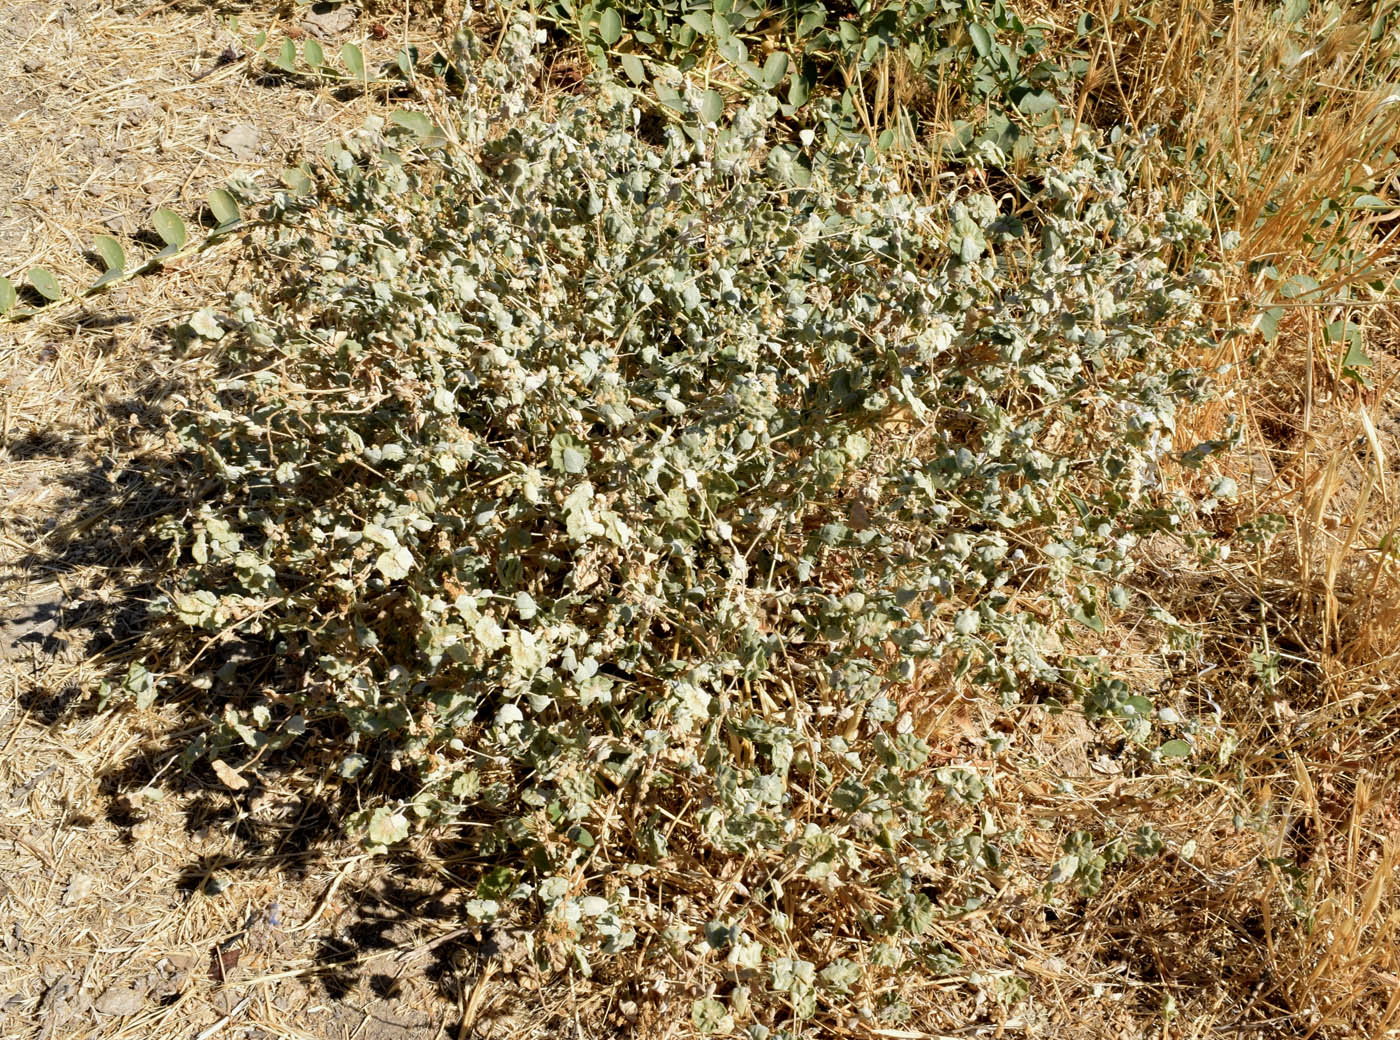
(629, 495)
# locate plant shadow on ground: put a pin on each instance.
(100, 551)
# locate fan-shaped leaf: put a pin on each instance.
(111, 252)
(169, 227)
(45, 283)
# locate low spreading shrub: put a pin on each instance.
(642, 500)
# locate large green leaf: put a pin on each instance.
(286, 56)
(775, 68)
(632, 65)
(981, 40)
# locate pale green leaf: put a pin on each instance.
(224, 207)
(45, 284)
(610, 26)
(298, 181)
(712, 106)
(110, 250)
(394, 563)
(169, 227)
(386, 827)
(354, 61)
(632, 65)
(286, 57)
(415, 122)
(775, 68)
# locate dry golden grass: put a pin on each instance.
(104, 118)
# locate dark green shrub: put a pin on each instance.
(884, 61)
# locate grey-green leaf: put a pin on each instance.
(981, 39)
(45, 284)
(224, 207)
(298, 181)
(1175, 749)
(798, 91)
(286, 58)
(7, 295)
(636, 71)
(111, 252)
(712, 106)
(775, 68)
(699, 21)
(610, 26)
(354, 60)
(415, 122)
(314, 55)
(169, 227)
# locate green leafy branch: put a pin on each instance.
(167, 224)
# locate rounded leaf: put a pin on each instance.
(387, 827)
(224, 207)
(7, 295)
(636, 71)
(1175, 749)
(45, 284)
(169, 227)
(775, 68)
(354, 60)
(610, 26)
(298, 181)
(711, 106)
(314, 55)
(111, 252)
(415, 122)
